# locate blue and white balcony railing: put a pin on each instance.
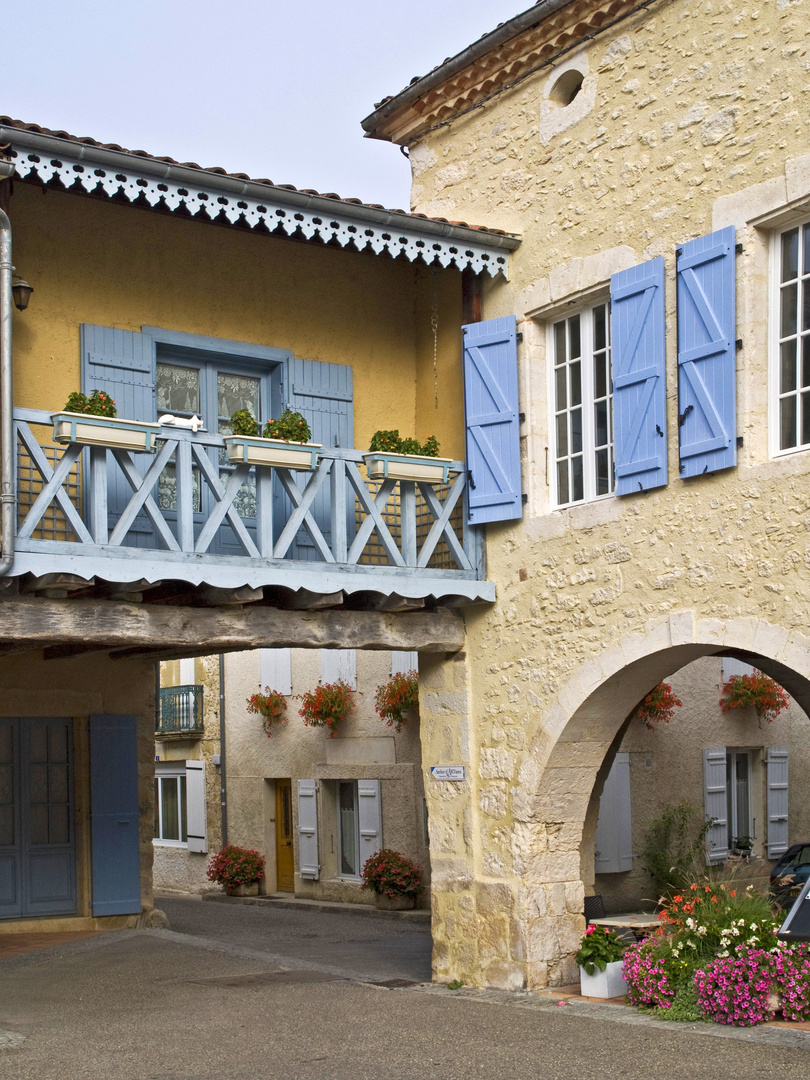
(180, 710)
(184, 514)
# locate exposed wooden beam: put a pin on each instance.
(183, 631)
(304, 600)
(394, 602)
(67, 652)
(215, 597)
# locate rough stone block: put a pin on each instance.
(505, 976)
(494, 899)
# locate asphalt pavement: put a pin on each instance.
(238, 991)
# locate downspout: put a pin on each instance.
(8, 497)
(223, 790)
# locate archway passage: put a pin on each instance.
(552, 814)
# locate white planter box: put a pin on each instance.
(276, 452)
(381, 466)
(603, 984)
(70, 427)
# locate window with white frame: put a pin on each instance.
(348, 829)
(792, 352)
(738, 798)
(171, 813)
(582, 400)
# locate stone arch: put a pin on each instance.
(571, 742)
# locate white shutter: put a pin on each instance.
(275, 670)
(369, 819)
(733, 666)
(187, 671)
(614, 842)
(308, 865)
(339, 664)
(404, 662)
(714, 795)
(777, 801)
(195, 806)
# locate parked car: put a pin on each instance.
(790, 874)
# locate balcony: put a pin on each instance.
(184, 514)
(180, 712)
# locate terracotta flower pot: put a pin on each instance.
(394, 903)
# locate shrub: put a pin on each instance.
(737, 989)
(660, 704)
(599, 948)
(235, 866)
(271, 706)
(766, 696)
(674, 848)
(290, 425)
(390, 874)
(98, 404)
(707, 921)
(396, 697)
(327, 705)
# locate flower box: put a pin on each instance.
(381, 466)
(276, 452)
(70, 427)
(603, 984)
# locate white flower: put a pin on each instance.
(754, 926)
(690, 923)
(701, 930)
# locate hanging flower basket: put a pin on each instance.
(398, 699)
(757, 690)
(660, 704)
(327, 705)
(271, 706)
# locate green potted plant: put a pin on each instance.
(395, 880)
(271, 706)
(238, 870)
(327, 705)
(390, 456)
(283, 443)
(600, 963)
(757, 690)
(395, 700)
(94, 421)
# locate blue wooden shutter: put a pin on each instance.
(707, 363)
(493, 422)
(777, 801)
(122, 363)
(639, 377)
(114, 815)
(714, 797)
(323, 393)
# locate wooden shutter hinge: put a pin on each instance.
(738, 249)
(682, 417)
(519, 336)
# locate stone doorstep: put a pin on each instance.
(571, 993)
(286, 900)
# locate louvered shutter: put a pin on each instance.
(339, 664)
(714, 794)
(195, 806)
(614, 842)
(275, 670)
(308, 866)
(405, 662)
(323, 393)
(707, 362)
(638, 335)
(777, 801)
(492, 419)
(114, 835)
(122, 363)
(369, 819)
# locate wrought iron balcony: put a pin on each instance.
(184, 513)
(180, 710)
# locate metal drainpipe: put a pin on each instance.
(8, 497)
(222, 785)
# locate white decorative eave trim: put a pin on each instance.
(101, 171)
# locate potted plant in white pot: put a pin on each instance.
(600, 963)
(94, 421)
(283, 443)
(392, 457)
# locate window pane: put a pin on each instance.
(806, 304)
(560, 379)
(167, 489)
(348, 828)
(560, 354)
(178, 389)
(59, 824)
(806, 361)
(576, 384)
(805, 432)
(573, 329)
(600, 424)
(236, 392)
(576, 431)
(578, 492)
(6, 826)
(790, 255)
(787, 423)
(562, 435)
(39, 825)
(600, 380)
(183, 810)
(245, 499)
(806, 246)
(602, 473)
(562, 481)
(170, 808)
(789, 302)
(599, 328)
(787, 376)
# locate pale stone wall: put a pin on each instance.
(694, 117)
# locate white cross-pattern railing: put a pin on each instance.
(325, 530)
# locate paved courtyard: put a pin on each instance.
(238, 991)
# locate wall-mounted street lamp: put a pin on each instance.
(21, 291)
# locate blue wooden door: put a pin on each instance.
(116, 886)
(37, 838)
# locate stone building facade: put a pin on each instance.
(609, 136)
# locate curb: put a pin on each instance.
(418, 916)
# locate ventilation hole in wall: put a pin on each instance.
(566, 88)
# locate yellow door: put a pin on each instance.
(285, 861)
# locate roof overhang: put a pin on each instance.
(228, 199)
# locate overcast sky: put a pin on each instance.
(274, 89)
